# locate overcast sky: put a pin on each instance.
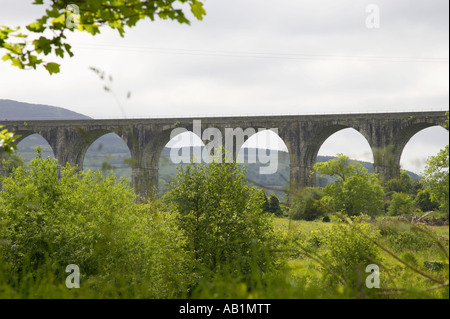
(254, 57)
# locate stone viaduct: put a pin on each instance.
(386, 133)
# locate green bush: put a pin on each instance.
(9, 162)
(424, 202)
(436, 176)
(404, 236)
(274, 205)
(316, 238)
(349, 251)
(410, 258)
(93, 222)
(402, 184)
(305, 205)
(222, 218)
(402, 204)
(354, 191)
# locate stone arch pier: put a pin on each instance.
(386, 133)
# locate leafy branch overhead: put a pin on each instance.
(26, 47)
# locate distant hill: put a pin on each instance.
(18, 111)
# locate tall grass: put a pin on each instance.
(305, 274)
(127, 249)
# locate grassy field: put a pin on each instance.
(316, 260)
(426, 253)
(305, 273)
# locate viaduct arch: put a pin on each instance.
(386, 133)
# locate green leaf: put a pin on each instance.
(17, 62)
(59, 52)
(91, 28)
(198, 10)
(36, 27)
(68, 47)
(131, 22)
(33, 61)
(93, 5)
(52, 67)
(59, 20)
(43, 45)
(53, 13)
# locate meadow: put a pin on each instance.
(425, 248)
(210, 237)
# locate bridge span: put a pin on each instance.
(386, 133)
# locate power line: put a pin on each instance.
(260, 55)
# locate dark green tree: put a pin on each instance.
(265, 205)
(424, 202)
(355, 190)
(402, 204)
(274, 205)
(9, 162)
(305, 205)
(403, 184)
(436, 175)
(222, 217)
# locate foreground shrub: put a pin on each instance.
(349, 251)
(91, 221)
(222, 218)
(404, 236)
